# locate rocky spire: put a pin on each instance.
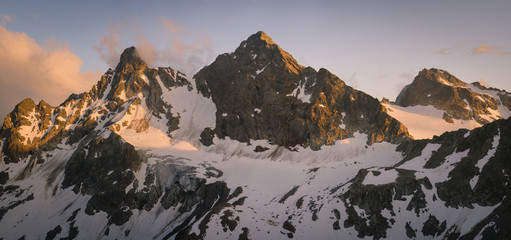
(132, 57)
(261, 48)
(260, 37)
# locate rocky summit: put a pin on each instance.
(456, 98)
(261, 92)
(255, 146)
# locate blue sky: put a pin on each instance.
(374, 46)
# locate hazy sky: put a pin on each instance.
(49, 50)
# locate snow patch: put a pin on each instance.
(262, 69)
(383, 177)
(483, 161)
(443, 81)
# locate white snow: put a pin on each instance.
(467, 105)
(466, 134)
(484, 83)
(302, 95)
(483, 161)
(426, 121)
(262, 69)
(299, 93)
(443, 81)
(32, 131)
(320, 177)
(144, 77)
(385, 176)
(503, 111)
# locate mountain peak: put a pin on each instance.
(260, 37)
(439, 76)
(261, 92)
(444, 91)
(131, 56)
(259, 49)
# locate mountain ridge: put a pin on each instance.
(261, 92)
(437, 101)
(444, 91)
(146, 152)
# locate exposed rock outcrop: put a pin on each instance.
(32, 128)
(445, 92)
(261, 92)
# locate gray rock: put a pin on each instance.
(258, 92)
(444, 91)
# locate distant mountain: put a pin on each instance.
(437, 101)
(256, 146)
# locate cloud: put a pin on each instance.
(443, 51)
(109, 45)
(171, 27)
(450, 50)
(487, 49)
(48, 72)
(6, 18)
(185, 49)
(147, 50)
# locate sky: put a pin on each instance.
(50, 49)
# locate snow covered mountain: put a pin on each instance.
(436, 102)
(254, 147)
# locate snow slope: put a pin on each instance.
(281, 188)
(170, 186)
(424, 122)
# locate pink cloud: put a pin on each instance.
(450, 50)
(6, 18)
(110, 44)
(487, 49)
(170, 26)
(186, 50)
(50, 72)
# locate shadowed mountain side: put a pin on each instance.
(261, 92)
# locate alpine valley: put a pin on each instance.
(256, 146)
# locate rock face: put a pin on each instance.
(261, 92)
(91, 169)
(458, 99)
(84, 153)
(32, 128)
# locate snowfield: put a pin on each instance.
(347, 190)
(424, 122)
